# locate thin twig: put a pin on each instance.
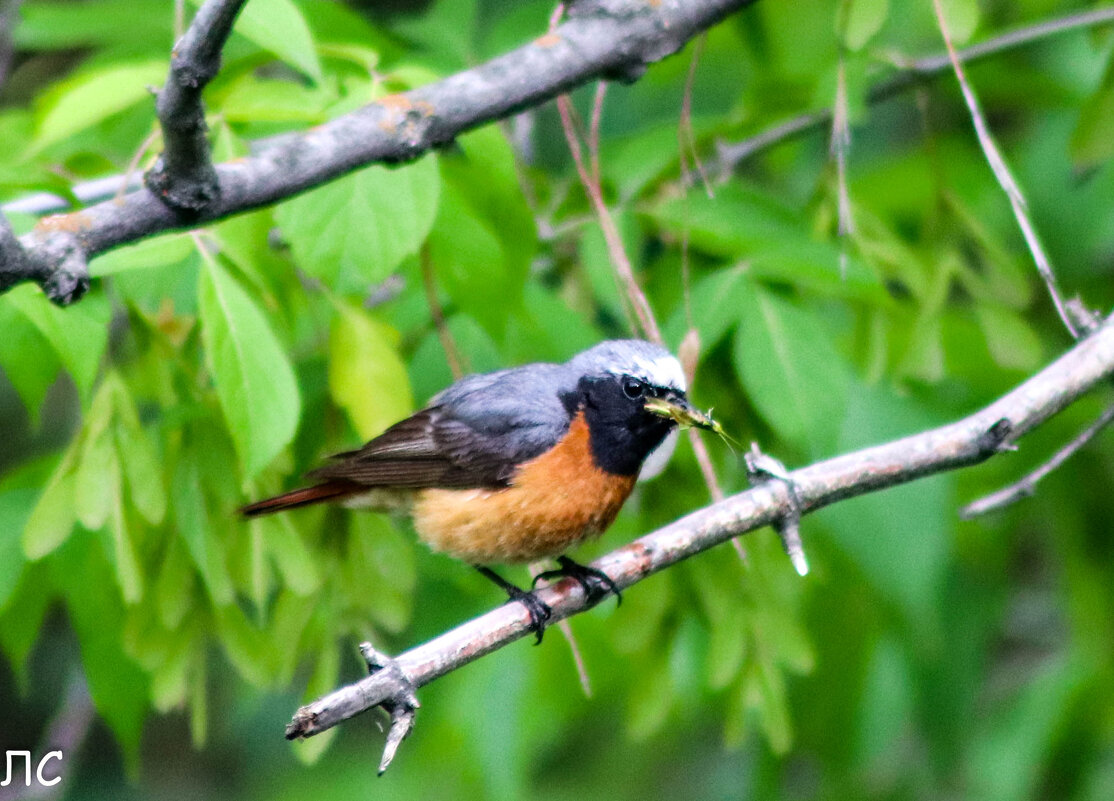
(686, 138)
(840, 146)
(448, 344)
(594, 131)
(730, 156)
(129, 178)
(966, 442)
(184, 177)
(1028, 485)
(1005, 177)
(603, 38)
(647, 325)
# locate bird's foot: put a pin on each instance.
(595, 583)
(539, 611)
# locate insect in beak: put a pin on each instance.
(683, 413)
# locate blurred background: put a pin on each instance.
(840, 295)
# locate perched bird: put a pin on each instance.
(518, 464)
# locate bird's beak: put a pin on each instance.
(677, 408)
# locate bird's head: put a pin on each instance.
(632, 394)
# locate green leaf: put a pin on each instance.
(169, 680)
(88, 98)
(157, 252)
(295, 562)
(254, 380)
(962, 18)
(900, 538)
(53, 518)
(129, 575)
(15, 508)
(143, 472)
(174, 595)
(253, 99)
(765, 693)
(21, 622)
(1092, 142)
(196, 529)
(483, 171)
(70, 26)
(714, 305)
(142, 467)
(378, 570)
(863, 19)
(278, 27)
(27, 359)
(116, 683)
(199, 699)
(789, 368)
(355, 231)
(1012, 341)
(247, 647)
(471, 265)
(97, 483)
(78, 334)
(770, 239)
(366, 376)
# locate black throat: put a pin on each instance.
(620, 431)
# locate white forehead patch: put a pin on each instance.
(662, 371)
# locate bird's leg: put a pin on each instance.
(539, 612)
(595, 583)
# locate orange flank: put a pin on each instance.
(554, 502)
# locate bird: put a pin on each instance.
(519, 464)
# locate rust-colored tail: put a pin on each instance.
(329, 491)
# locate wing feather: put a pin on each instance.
(434, 448)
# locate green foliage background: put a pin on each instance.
(922, 658)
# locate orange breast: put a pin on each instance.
(554, 501)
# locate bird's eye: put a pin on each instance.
(633, 388)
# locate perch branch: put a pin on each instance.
(612, 39)
(922, 70)
(965, 442)
(184, 177)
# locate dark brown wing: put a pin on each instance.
(430, 449)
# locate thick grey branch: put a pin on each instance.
(56, 263)
(962, 443)
(184, 177)
(601, 39)
(730, 156)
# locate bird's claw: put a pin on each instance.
(595, 583)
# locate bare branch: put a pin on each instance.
(730, 156)
(613, 39)
(1005, 178)
(965, 442)
(448, 344)
(184, 177)
(1028, 485)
